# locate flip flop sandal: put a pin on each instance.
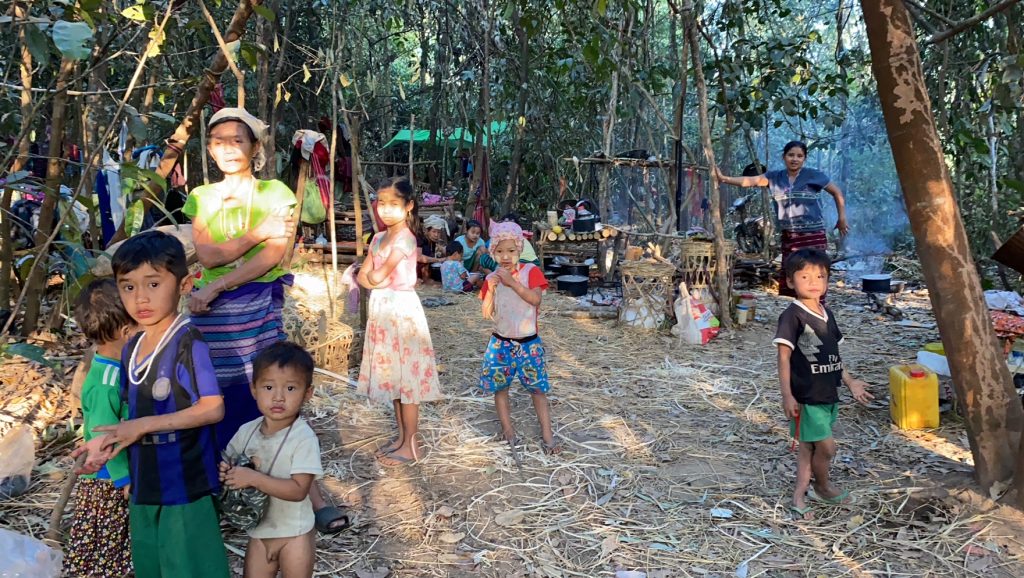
(383, 450)
(837, 500)
(800, 513)
(329, 515)
(396, 461)
(552, 449)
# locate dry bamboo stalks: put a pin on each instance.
(552, 236)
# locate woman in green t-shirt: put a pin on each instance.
(241, 227)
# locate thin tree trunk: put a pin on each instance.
(992, 410)
(270, 144)
(36, 283)
(722, 273)
(515, 164)
(483, 117)
(177, 142)
(6, 247)
(604, 184)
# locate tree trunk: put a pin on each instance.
(991, 408)
(270, 143)
(177, 142)
(722, 285)
(36, 283)
(515, 164)
(483, 117)
(604, 184)
(6, 247)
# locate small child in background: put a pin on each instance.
(810, 373)
(173, 399)
(287, 454)
(454, 276)
(98, 540)
(474, 248)
(511, 297)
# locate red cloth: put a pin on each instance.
(217, 97)
(1007, 324)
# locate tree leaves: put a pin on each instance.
(38, 45)
(138, 12)
(265, 12)
(73, 39)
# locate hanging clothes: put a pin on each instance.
(313, 147)
(111, 200)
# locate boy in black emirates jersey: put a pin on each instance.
(810, 373)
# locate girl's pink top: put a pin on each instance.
(403, 277)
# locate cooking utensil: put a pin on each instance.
(585, 224)
(575, 285)
(876, 283)
(579, 269)
(435, 271)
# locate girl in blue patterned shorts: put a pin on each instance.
(511, 297)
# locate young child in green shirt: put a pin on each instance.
(98, 544)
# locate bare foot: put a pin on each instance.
(551, 447)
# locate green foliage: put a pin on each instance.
(73, 39)
(29, 352)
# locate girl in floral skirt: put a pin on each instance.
(398, 356)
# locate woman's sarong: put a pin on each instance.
(241, 323)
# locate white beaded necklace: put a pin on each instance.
(133, 368)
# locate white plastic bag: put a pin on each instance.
(26, 557)
(17, 456)
(686, 328)
(697, 324)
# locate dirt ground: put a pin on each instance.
(676, 462)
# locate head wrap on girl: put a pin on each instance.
(505, 231)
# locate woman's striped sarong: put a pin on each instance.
(792, 241)
(241, 323)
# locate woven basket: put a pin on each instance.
(647, 291)
(697, 261)
(330, 343)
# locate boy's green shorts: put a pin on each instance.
(815, 422)
(177, 541)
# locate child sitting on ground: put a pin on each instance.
(170, 387)
(810, 373)
(287, 454)
(98, 540)
(511, 297)
(454, 276)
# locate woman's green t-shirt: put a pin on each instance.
(225, 224)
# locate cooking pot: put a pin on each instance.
(435, 271)
(879, 283)
(575, 285)
(578, 269)
(587, 224)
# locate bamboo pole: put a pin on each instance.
(357, 171)
(333, 159)
(202, 145)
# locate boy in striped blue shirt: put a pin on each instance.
(169, 385)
